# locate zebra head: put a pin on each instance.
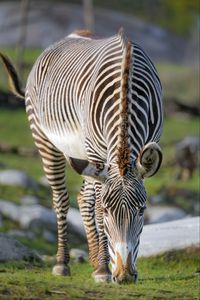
(123, 201)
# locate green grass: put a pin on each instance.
(180, 82)
(173, 275)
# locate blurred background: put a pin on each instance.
(169, 33)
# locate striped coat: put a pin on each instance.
(97, 104)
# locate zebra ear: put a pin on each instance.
(97, 171)
(149, 160)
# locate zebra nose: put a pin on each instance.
(124, 273)
(123, 279)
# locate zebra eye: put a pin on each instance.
(141, 211)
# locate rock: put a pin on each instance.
(179, 234)
(79, 255)
(38, 216)
(10, 210)
(17, 178)
(49, 236)
(1, 220)
(29, 200)
(14, 250)
(157, 199)
(29, 216)
(43, 181)
(75, 220)
(24, 234)
(159, 214)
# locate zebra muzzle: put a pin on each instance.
(124, 273)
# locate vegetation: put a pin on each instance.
(173, 275)
(177, 16)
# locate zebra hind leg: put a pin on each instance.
(102, 272)
(86, 201)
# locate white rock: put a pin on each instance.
(78, 254)
(74, 218)
(179, 234)
(159, 214)
(17, 178)
(10, 210)
(38, 216)
(43, 181)
(29, 200)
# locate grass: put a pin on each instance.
(172, 275)
(180, 82)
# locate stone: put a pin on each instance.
(12, 249)
(20, 233)
(75, 221)
(17, 178)
(37, 216)
(159, 214)
(180, 234)
(10, 210)
(1, 220)
(49, 236)
(79, 255)
(43, 181)
(29, 200)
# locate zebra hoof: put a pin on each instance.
(102, 278)
(61, 270)
(102, 274)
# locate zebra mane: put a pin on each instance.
(81, 34)
(123, 149)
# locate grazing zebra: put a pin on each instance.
(97, 104)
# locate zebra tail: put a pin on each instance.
(14, 82)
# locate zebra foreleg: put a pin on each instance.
(102, 273)
(86, 201)
(54, 166)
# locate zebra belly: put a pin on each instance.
(71, 144)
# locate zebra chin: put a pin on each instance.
(123, 270)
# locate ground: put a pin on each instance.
(173, 275)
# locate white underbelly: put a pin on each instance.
(70, 144)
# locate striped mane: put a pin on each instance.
(123, 149)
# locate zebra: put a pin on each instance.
(97, 104)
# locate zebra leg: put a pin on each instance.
(102, 273)
(54, 167)
(86, 201)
